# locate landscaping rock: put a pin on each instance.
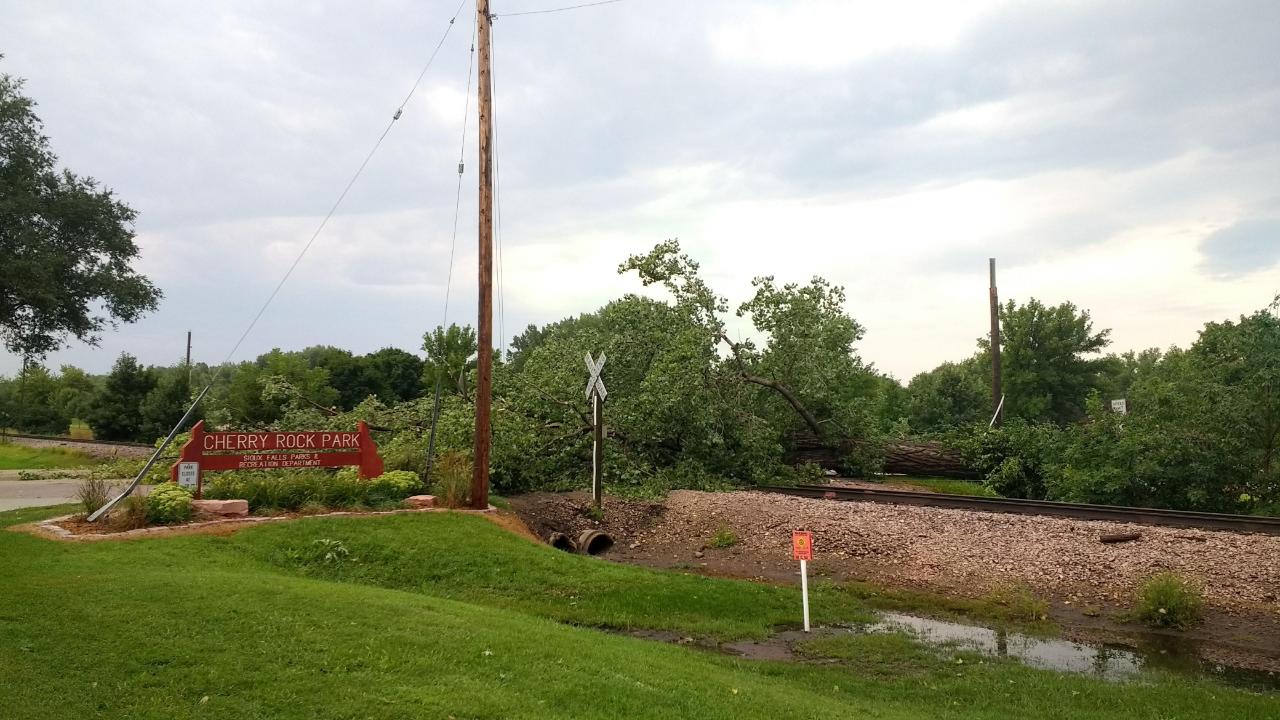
(421, 501)
(221, 508)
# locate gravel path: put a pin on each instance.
(974, 550)
(98, 450)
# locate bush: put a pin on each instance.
(723, 538)
(93, 494)
(169, 503)
(1017, 603)
(1014, 459)
(132, 513)
(310, 490)
(1168, 600)
(451, 478)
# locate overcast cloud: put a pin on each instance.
(1124, 156)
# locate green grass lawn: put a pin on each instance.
(21, 457)
(446, 615)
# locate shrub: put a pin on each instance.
(723, 538)
(93, 494)
(1015, 459)
(1016, 603)
(1168, 600)
(169, 503)
(132, 513)
(393, 486)
(451, 478)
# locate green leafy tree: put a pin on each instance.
(67, 248)
(1048, 375)
(393, 374)
(165, 404)
(451, 356)
(76, 390)
(32, 404)
(115, 413)
(949, 396)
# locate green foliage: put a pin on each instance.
(115, 413)
(67, 251)
(723, 538)
(1047, 377)
(451, 355)
(1168, 600)
(451, 479)
(92, 494)
(1015, 459)
(30, 404)
(949, 396)
(1017, 603)
(165, 404)
(299, 490)
(131, 513)
(168, 503)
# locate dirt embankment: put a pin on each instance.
(956, 552)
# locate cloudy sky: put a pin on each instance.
(1121, 155)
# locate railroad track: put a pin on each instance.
(1079, 511)
(58, 438)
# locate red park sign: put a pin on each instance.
(214, 451)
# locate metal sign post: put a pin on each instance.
(597, 393)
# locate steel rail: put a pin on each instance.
(59, 438)
(1078, 511)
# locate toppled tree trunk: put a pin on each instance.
(901, 457)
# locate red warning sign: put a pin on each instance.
(801, 545)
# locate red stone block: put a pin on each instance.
(421, 501)
(225, 508)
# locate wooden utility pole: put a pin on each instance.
(997, 389)
(188, 358)
(484, 332)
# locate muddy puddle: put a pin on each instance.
(1113, 662)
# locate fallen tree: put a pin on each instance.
(901, 457)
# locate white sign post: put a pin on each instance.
(189, 475)
(1120, 406)
(802, 550)
(597, 393)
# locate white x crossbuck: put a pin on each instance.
(595, 384)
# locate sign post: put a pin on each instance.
(802, 550)
(596, 392)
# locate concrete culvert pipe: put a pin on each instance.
(560, 541)
(594, 542)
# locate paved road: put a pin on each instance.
(16, 494)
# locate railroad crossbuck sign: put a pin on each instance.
(596, 394)
(594, 383)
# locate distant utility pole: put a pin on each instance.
(997, 388)
(484, 329)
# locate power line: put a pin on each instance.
(556, 10)
(497, 191)
(288, 273)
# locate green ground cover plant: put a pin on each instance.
(20, 457)
(1168, 600)
(438, 614)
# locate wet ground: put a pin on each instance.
(1097, 634)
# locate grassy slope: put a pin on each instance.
(149, 628)
(21, 457)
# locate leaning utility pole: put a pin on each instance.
(484, 332)
(997, 390)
